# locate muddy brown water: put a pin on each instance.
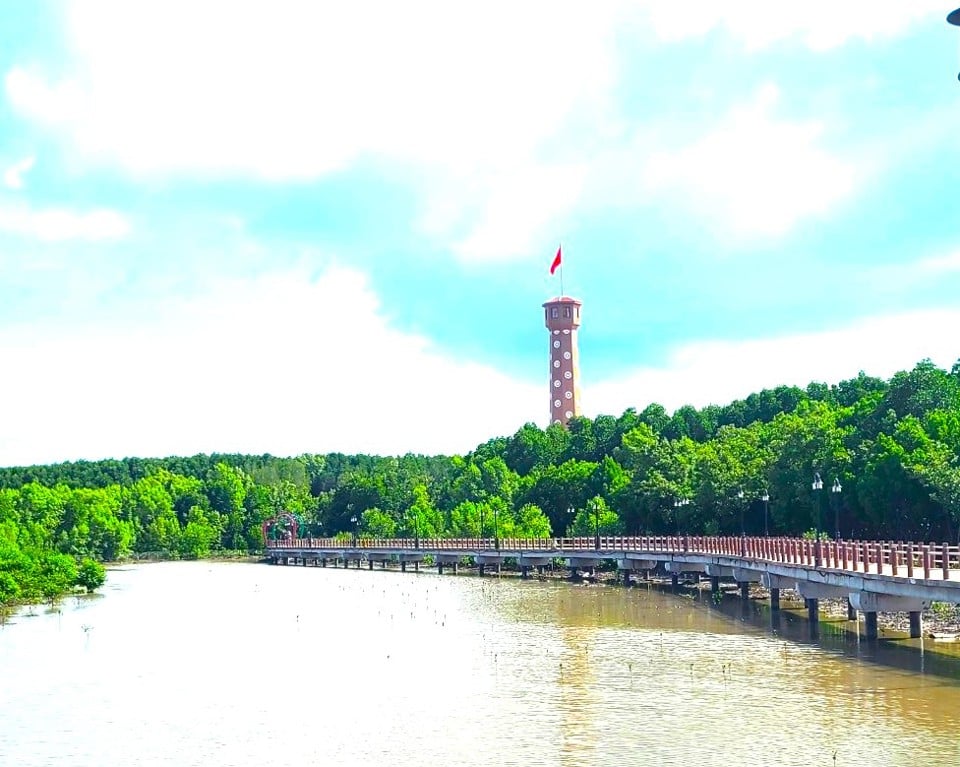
(197, 663)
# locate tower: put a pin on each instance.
(562, 315)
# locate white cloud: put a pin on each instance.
(13, 176)
(500, 112)
(907, 276)
(62, 224)
(279, 364)
(294, 90)
(461, 97)
(286, 365)
(755, 173)
(514, 208)
(717, 372)
(818, 24)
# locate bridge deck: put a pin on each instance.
(927, 571)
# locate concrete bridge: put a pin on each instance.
(874, 576)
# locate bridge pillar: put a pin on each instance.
(454, 568)
(403, 566)
(674, 580)
(774, 599)
(916, 621)
(323, 562)
(714, 583)
(851, 611)
(870, 624)
(480, 567)
(574, 574)
(416, 567)
(524, 571)
(439, 567)
(813, 611)
(744, 590)
(626, 577)
(369, 564)
(540, 569)
(383, 564)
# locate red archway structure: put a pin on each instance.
(284, 520)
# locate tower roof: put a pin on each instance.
(563, 300)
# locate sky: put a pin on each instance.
(290, 227)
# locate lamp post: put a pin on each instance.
(496, 527)
(481, 524)
(743, 532)
(817, 486)
(766, 509)
(596, 523)
(356, 529)
(678, 503)
(835, 491)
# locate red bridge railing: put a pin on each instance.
(893, 558)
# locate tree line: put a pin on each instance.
(890, 446)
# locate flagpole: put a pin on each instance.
(561, 279)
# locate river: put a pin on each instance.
(218, 663)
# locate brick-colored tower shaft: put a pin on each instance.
(562, 316)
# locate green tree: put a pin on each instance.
(378, 524)
(91, 575)
(199, 535)
(596, 515)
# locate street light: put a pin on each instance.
(766, 506)
(743, 532)
(679, 503)
(596, 524)
(835, 494)
(356, 530)
(817, 486)
(481, 524)
(496, 527)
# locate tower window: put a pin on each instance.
(566, 312)
(554, 312)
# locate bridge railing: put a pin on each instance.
(906, 559)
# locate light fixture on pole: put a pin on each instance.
(481, 525)
(742, 528)
(679, 503)
(766, 509)
(817, 486)
(835, 495)
(356, 531)
(596, 524)
(496, 527)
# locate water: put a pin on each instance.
(243, 664)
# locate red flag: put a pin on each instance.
(556, 262)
